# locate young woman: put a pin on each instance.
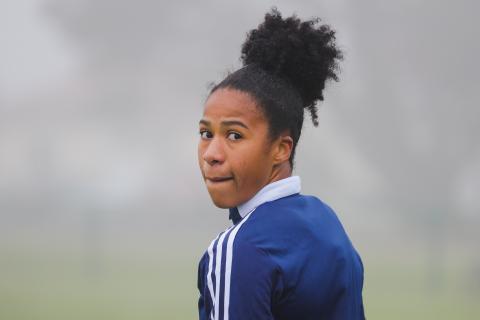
(286, 255)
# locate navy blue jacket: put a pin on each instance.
(287, 258)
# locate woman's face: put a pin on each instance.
(234, 152)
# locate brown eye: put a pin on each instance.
(234, 136)
(204, 134)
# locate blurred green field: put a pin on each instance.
(60, 286)
(403, 292)
(68, 286)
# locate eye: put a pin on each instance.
(205, 134)
(234, 136)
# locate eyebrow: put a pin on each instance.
(226, 123)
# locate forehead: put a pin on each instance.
(230, 103)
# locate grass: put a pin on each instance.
(393, 292)
(36, 286)
(53, 287)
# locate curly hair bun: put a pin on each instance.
(303, 53)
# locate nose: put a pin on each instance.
(214, 153)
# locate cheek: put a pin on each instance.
(241, 170)
(252, 167)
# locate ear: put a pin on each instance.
(282, 148)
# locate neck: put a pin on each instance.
(281, 171)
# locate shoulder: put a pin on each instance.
(295, 215)
(299, 207)
(294, 222)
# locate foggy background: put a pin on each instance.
(103, 212)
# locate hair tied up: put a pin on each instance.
(303, 53)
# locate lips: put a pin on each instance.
(219, 179)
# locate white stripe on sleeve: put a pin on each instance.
(209, 274)
(228, 266)
(218, 263)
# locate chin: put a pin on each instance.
(222, 202)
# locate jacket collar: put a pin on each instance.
(272, 191)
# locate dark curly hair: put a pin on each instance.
(286, 63)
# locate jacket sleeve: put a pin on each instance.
(200, 284)
(346, 290)
(253, 283)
